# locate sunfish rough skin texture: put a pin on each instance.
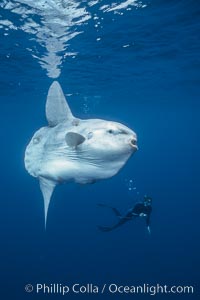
(71, 149)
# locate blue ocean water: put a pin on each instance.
(135, 62)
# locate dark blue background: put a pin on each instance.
(153, 87)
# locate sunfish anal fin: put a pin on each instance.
(47, 188)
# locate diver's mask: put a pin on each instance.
(147, 201)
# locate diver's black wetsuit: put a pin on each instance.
(139, 210)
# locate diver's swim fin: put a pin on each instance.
(104, 228)
(102, 205)
(116, 212)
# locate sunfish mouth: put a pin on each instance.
(133, 143)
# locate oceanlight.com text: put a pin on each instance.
(112, 288)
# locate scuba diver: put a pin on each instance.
(141, 209)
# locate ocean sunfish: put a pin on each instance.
(71, 149)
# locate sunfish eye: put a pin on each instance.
(90, 135)
(110, 131)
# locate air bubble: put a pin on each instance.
(131, 187)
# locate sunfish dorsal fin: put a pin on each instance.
(57, 109)
(74, 139)
(47, 188)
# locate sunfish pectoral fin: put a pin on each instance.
(57, 109)
(47, 188)
(74, 139)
